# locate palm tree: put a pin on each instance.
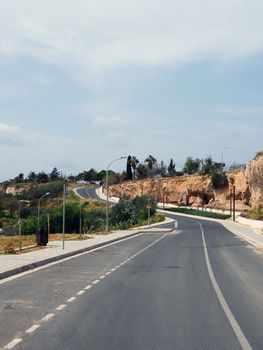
(151, 161)
(134, 162)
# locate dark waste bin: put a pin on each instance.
(42, 237)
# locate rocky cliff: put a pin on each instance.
(197, 190)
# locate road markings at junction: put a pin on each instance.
(32, 329)
(231, 318)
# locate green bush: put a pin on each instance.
(255, 214)
(219, 179)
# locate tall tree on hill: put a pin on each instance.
(134, 163)
(171, 168)
(151, 161)
(129, 168)
(54, 175)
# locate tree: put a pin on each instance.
(42, 177)
(151, 161)
(32, 176)
(141, 171)
(191, 165)
(129, 168)
(171, 168)
(54, 175)
(134, 163)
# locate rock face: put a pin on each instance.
(197, 190)
(254, 176)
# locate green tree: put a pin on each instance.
(134, 163)
(129, 168)
(141, 171)
(191, 165)
(151, 161)
(171, 168)
(54, 175)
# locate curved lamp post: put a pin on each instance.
(107, 191)
(38, 209)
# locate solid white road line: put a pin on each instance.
(61, 307)
(13, 343)
(48, 317)
(231, 318)
(32, 329)
(71, 299)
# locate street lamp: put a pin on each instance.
(19, 222)
(107, 191)
(38, 209)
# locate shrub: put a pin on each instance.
(219, 179)
(255, 214)
(200, 213)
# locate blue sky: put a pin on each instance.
(83, 83)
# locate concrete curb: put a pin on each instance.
(40, 263)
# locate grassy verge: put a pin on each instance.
(10, 244)
(196, 212)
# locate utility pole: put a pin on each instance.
(64, 212)
(234, 203)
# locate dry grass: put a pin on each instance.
(12, 242)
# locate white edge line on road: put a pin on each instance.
(13, 343)
(32, 329)
(231, 318)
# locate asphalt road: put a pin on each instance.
(88, 192)
(164, 297)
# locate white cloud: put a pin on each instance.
(115, 120)
(110, 34)
(12, 135)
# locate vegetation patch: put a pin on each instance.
(200, 213)
(255, 214)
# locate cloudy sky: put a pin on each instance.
(83, 82)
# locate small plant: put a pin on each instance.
(9, 248)
(255, 214)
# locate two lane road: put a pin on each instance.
(153, 291)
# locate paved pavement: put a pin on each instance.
(13, 264)
(197, 288)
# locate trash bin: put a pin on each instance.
(42, 237)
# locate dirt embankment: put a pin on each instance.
(196, 190)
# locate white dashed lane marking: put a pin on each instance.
(81, 292)
(13, 343)
(60, 307)
(88, 287)
(95, 282)
(71, 299)
(32, 329)
(48, 317)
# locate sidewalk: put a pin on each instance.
(17, 263)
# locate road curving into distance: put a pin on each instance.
(199, 287)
